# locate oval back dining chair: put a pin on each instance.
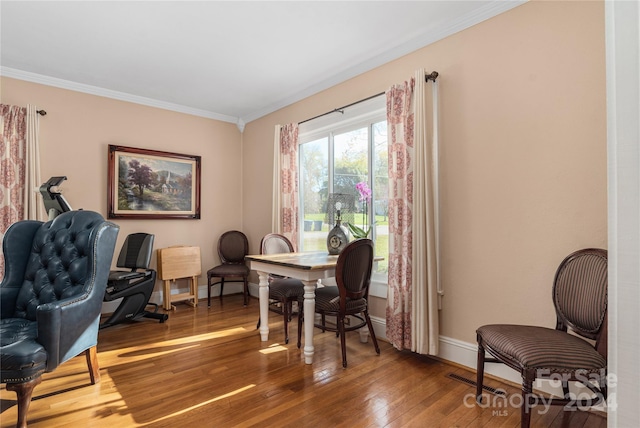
(233, 246)
(580, 300)
(350, 296)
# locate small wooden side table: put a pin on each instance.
(179, 262)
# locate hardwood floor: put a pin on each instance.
(206, 367)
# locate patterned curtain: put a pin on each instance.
(285, 183)
(400, 133)
(13, 160)
(412, 301)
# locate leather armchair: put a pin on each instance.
(51, 296)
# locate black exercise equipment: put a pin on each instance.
(54, 202)
(133, 286)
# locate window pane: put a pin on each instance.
(381, 194)
(350, 156)
(314, 176)
(350, 160)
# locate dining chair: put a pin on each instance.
(349, 297)
(283, 292)
(233, 246)
(580, 301)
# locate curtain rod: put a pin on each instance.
(431, 76)
(341, 109)
(41, 112)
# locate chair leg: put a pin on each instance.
(371, 332)
(527, 399)
(300, 320)
(208, 291)
(92, 362)
(221, 286)
(603, 387)
(285, 313)
(343, 341)
(602, 393)
(565, 389)
(290, 303)
(24, 391)
(246, 291)
(479, 371)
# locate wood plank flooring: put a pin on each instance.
(206, 367)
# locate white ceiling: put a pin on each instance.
(229, 60)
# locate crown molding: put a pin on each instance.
(108, 93)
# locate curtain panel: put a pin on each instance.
(425, 285)
(13, 160)
(33, 208)
(20, 165)
(285, 183)
(400, 133)
(412, 300)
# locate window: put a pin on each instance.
(336, 152)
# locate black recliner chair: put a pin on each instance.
(51, 296)
(133, 286)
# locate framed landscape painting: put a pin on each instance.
(150, 184)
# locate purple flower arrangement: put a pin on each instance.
(365, 196)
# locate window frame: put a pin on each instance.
(361, 115)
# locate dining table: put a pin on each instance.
(308, 267)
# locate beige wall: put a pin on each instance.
(75, 134)
(523, 156)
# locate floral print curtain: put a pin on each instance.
(285, 183)
(400, 133)
(13, 160)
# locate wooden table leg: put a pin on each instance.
(194, 290)
(309, 317)
(263, 295)
(166, 297)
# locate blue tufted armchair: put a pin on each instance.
(51, 296)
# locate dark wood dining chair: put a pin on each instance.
(233, 246)
(283, 292)
(349, 297)
(580, 300)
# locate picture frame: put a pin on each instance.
(152, 184)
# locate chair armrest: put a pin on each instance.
(69, 326)
(16, 247)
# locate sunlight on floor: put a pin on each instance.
(204, 403)
(276, 347)
(137, 353)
